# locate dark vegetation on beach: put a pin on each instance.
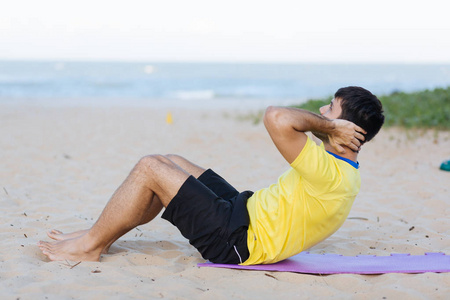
(423, 109)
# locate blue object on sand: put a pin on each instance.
(445, 166)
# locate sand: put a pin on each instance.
(60, 165)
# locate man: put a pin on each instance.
(309, 202)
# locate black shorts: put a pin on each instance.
(213, 216)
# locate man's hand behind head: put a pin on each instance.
(347, 134)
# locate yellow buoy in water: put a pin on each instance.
(169, 119)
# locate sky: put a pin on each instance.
(313, 31)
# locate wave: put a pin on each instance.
(15, 81)
(194, 95)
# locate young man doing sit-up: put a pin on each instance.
(307, 204)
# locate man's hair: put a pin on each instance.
(362, 108)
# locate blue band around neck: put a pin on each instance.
(351, 162)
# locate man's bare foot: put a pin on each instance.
(76, 249)
(60, 236)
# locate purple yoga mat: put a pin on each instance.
(309, 263)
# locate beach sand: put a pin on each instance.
(59, 166)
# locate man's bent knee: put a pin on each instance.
(175, 157)
(151, 163)
(161, 175)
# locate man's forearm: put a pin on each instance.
(284, 122)
(302, 120)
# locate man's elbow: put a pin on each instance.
(271, 116)
(275, 119)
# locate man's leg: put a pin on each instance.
(153, 182)
(185, 164)
(151, 213)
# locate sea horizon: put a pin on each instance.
(184, 84)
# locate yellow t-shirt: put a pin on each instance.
(309, 203)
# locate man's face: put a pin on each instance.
(332, 110)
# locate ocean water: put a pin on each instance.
(213, 84)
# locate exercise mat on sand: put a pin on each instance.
(309, 263)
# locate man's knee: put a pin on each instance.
(160, 175)
(174, 157)
(151, 163)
